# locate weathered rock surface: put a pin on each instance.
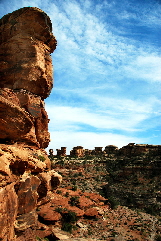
(26, 43)
(134, 177)
(26, 178)
(8, 211)
(23, 171)
(26, 76)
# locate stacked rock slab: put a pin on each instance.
(26, 43)
(26, 179)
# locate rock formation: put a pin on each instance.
(129, 150)
(134, 177)
(26, 76)
(26, 178)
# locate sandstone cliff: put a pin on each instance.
(32, 207)
(26, 76)
(26, 178)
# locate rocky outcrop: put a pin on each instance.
(26, 178)
(134, 177)
(26, 43)
(106, 219)
(129, 150)
(26, 76)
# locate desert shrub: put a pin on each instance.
(73, 181)
(97, 178)
(60, 162)
(74, 188)
(67, 227)
(41, 239)
(76, 174)
(66, 194)
(153, 209)
(38, 238)
(114, 203)
(68, 220)
(60, 210)
(97, 168)
(157, 237)
(69, 217)
(58, 191)
(74, 201)
(41, 158)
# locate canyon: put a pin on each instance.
(110, 194)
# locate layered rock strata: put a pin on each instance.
(26, 75)
(26, 178)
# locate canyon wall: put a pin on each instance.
(26, 76)
(26, 179)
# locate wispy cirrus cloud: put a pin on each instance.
(110, 114)
(107, 70)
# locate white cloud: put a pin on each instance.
(91, 48)
(96, 62)
(146, 67)
(121, 116)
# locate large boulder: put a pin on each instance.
(26, 43)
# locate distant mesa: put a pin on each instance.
(131, 149)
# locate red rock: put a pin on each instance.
(60, 234)
(29, 122)
(91, 212)
(26, 76)
(79, 212)
(95, 197)
(26, 220)
(8, 211)
(85, 202)
(49, 181)
(59, 201)
(27, 193)
(14, 122)
(26, 43)
(48, 213)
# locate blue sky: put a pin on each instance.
(107, 71)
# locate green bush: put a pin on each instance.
(41, 158)
(60, 162)
(67, 227)
(66, 194)
(157, 237)
(41, 239)
(154, 209)
(74, 201)
(60, 210)
(74, 188)
(68, 219)
(58, 191)
(114, 203)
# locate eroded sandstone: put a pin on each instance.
(26, 178)
(26, 76)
